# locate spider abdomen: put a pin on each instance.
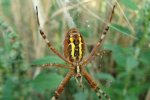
(74, 46)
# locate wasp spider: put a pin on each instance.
(74, 47)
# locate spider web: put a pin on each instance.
(76, 8)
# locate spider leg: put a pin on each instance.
(62, 86)
(99, 92)
(55, 65)
(103, 34)
(47, 41)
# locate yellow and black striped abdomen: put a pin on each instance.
(74, 46)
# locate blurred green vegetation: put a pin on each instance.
(124, 75)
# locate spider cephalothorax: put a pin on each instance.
(74, 47)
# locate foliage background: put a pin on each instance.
(124, 75)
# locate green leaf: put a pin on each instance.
(105, 76)
(131, 63)
(122, 75)
(138, 88)
(47, 60)
(6, 7)
(119, 58)
(145, 57)
(46, 81)
(129, 4)
(8, 89)
(118, 87)
(80, 96)
(121, 29)
(118, 55)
